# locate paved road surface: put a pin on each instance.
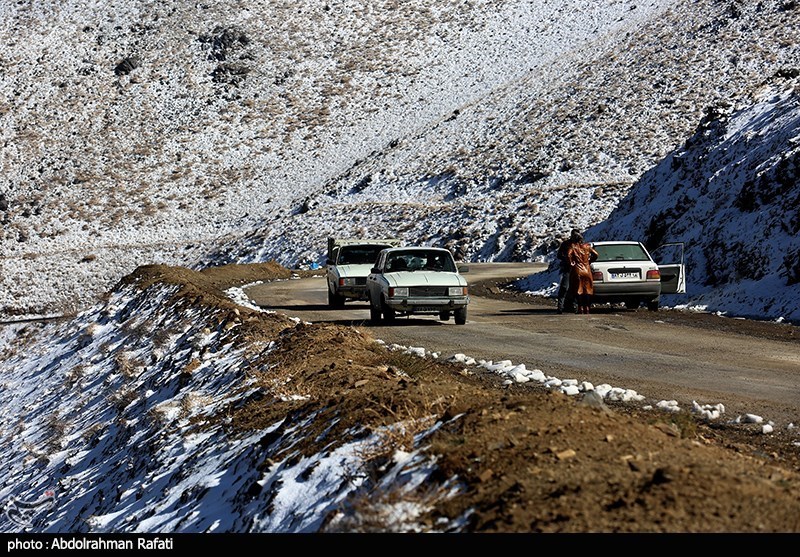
(654, 353)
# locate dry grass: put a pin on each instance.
(191, 402)
(74, 376)
(380, 510)
(56, 428)
(409, 364)
(92, 434)
(122, 398)
(407, 420)
(128, 365)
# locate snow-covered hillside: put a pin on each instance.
(143, 441)
(139, 132)
(731, 194)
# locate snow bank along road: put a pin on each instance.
(662, 355)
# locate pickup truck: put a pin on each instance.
(348, 263)
(417, 281)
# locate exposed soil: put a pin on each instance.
(528, 459)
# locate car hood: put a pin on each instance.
(354, 270)
(425, 278)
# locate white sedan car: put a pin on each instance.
(625, 272)
(417, 281)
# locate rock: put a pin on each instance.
(594, 400)
(126, 66)
(564, 455)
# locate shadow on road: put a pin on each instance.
(552, 311)
(400, 321)
(312, 307)
(527, 311)
(409, 322)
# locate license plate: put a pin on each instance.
(423, 309)
(617, 276)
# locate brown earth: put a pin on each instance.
(528, 459)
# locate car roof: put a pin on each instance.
(615, 242)
(416, 248)
(365, 245)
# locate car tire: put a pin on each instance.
(374, 313)
(334, 300)
(388, 313)
(461, 316)
(652, 305)
(444, 316)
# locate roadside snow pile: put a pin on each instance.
(518, 373)
(708, 411)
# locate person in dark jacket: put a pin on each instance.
(565, 301)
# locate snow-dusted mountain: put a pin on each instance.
(140, 132)
(730, 193)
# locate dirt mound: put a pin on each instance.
(207, 285)
(530, 461)
(527, 459)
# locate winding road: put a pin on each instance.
(661, 355)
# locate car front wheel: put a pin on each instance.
(461, 316)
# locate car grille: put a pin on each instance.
(427, 291)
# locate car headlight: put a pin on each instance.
(400, 292)
(457, 291)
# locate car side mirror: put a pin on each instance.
(329, 261)
(463, 269)
(375, 270)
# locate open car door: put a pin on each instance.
(669, 258)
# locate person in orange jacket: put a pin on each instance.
(580, 256)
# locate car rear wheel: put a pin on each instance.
(374, 313)
(335, 300)
(652, 305)
(388, 313)
(461, 316)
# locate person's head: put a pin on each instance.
(575, 235)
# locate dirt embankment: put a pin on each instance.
(529, 460)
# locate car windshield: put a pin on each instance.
(620, 252)
(419, 260)
(358, 255)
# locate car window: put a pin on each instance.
(397, 263)
(421, 261)
(620, 252)
(358, 255)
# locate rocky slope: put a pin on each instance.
(140, 132)
(730, 194)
